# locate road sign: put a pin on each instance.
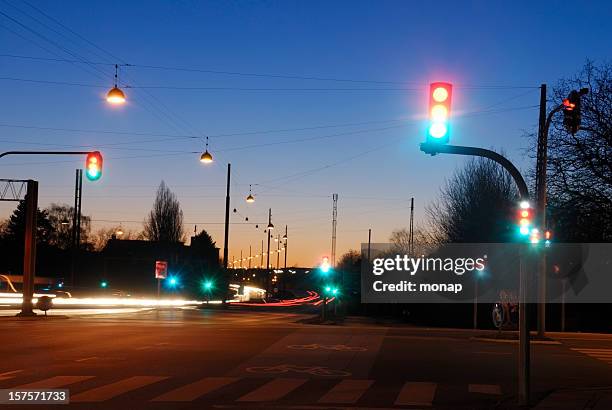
(161, 269)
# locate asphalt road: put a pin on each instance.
(192, 359)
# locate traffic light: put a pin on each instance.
(207, 285)
(571, 110)
(325, 267)
(525, 218)
(439, 112)
(93, 166)
(104, 284)
(547, 237)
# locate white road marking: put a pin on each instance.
(194, 390)
(111, 390)
(347, 391)
(416, 394)
(273, 390)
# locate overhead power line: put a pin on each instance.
(264, 75)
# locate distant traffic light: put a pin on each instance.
(325, 267)
(572, 111)
(207, 285)
(439, 112)
(525, 218)
(172, 281)
(93, 166)
(104, 284)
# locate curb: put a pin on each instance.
(533, 342)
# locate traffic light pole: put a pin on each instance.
(29, 254)
(433, 149)
(524, 347)
(3, 154)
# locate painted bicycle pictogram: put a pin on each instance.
(286, 368)
(316, 346)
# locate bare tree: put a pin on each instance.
(424, 241)
(61, 218)
(580, 166)
(165, 221)
(100, 237)
(476, 205)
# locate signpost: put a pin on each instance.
(161, 272)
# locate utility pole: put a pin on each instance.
(76, 223)
(277, 251)
(269, 234)
(249, 257)
(541, 208)
(524, 353)
(411, 235)
(262, 254)
(334, 223)
(227, 209)
(369, 243)
(286, 240)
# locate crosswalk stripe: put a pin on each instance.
(194, 390)
(109, 391)
(347, 391)
(485, 388)
(416, 394)
(53, 382)
(273, 390)
(593, 350)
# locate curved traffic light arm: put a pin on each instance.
(3, 154)
(435, 148)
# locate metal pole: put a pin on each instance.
(249, 257)
(541, 208)
(369, 243)
(286, 240)
(227, 208)
(524, 354)
(268, 284)
(74, 228)
(277, 251)
(411, 238)
(29, 254)
(475, 318)
(434, 148)
(564, 288)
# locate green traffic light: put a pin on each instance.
(103, 284)
(208, 285)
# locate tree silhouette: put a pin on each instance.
(14, 230)
(476, 205)
(579, 183)
(60, 217)
(165, 221)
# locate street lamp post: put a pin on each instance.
(285, 238)
(227, 208)
(269, 235)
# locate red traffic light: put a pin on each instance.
(439, 112)
(93, 165)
